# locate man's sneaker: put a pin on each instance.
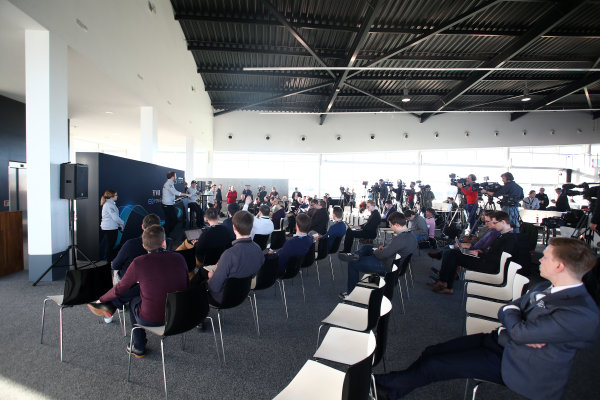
(343, 295)
(349, 257)
(108, 320)
(135, 352)
(105, 310)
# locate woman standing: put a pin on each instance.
(231, 195)
(111, 223)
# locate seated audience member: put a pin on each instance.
(561, 203)
(227, 223)
(479, 244)
(214, 238)
(337, 229)
(430, 220)
(133, 247)
(388, 209)
(242, 260)
(532, 352)
(380, 261)
(320, 218)
(312, 207)
(452, 206)
(531, 202)
(262, 223)
(417, 225)
(158, 273)
(480, 260)
(298, 245)
(543, 199)
(368, 230)
(278, 215)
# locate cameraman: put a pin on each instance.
(471, 194)
(383, 192)
(511, 194)
(427, 198)
(399, 194)
(410, 196)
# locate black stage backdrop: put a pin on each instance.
(139, 186)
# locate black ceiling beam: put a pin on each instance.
(549, 20)
(271, 8)
(389, 103)
(559, 94)
(350, 28)
(413, 76)
(274, 98)
(340, 54)
(373, 9)
(434, 32)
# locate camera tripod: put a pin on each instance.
(72, 250)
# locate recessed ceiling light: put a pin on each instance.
(405, 98)
(108, 112)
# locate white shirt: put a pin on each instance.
(169, 193)
(110, 216)
(262, 226)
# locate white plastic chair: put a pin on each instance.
(502, 293)
(488, 308)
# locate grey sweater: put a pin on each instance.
(404, 243)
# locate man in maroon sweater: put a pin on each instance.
(159, 272)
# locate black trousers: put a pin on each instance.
(349, 239)
(111, 239)
(198, 213)
(170, 219)
(453, 258)
(474, 356)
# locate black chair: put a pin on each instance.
(277, 239)
(261, 240)
(403, 265)
(335, 247)
(236, 290)
(82, 286)
(190, 258)
(265, 278)
(292, 269)
(307, 261)
(322, 252)
(184, 310)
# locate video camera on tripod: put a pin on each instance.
(454, 180)
(588, 193)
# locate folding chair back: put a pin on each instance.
(185, 310)
(267, 274)
(357, 381)
(86, 285)
(323, 248)
(235, 292)
(261, 240)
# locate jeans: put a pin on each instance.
(472, 212)
(139, 335)
(368, 263)
(513, 212)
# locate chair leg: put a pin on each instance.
(318, 277)
(319, 335)
(215, 337)
(331, 265)
(162, 353)
(256, 313)
(43, 314)
(221, 334)
(407, 291)
(60, 331)
(412, 282)
(302, 282)
(130, 347)
(401, 296)
(253, 314)
(282, 289)
(122, 321)
(373, 387)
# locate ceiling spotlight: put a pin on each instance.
(552, 131)
(405, 98)
(496, 133)
(405, 135)
(338, 137)
(230, 136)
(303, 138)
(525, 95)
(372, 136)
(436, 134)
(267, 137)
(524, 132)
(467, 133)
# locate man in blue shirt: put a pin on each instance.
(298, 245)
(337, 229)
(169, 193)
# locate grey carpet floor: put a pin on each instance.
(95, 362)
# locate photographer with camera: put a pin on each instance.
(469, 189)
(511, 194)
(410, 196)
(383, 192)
(427, 198)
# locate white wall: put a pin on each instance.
(249, 130)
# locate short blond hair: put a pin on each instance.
(153, 237)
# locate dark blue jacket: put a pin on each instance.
(296, 246)
(129, 251)
(336, 230)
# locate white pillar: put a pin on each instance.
(189, 158)
(148, 134)
(209, 166)
(47, 146)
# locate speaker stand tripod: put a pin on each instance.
(72, 250)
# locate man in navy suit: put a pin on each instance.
(532, 352)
